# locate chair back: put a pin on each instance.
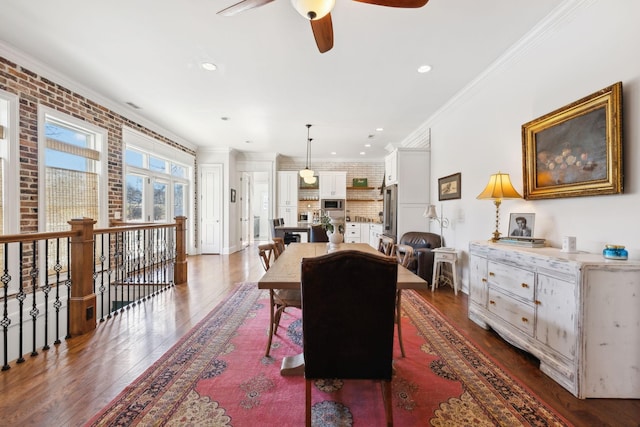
(278, 246)
(404, 254)
(265, 251)
(385, 245)
(318, 234)
(348, 309)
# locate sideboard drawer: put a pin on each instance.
(511, 279)
(512, 311)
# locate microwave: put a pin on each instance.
(332, 204)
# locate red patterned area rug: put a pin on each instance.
(217, 375)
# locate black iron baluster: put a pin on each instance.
(109, 275)
(6, 278)
(57, 304)
(20, 297)
(34, 287)
(46, 289)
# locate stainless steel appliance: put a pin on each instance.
(335, 208)
(390, 211)
(332, 204)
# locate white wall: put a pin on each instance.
(587, 45)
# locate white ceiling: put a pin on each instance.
(271, 79)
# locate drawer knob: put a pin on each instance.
(491, 273)
(537, 302)
(524, 285)
(525, 320)
(484, 280)
(492, 302)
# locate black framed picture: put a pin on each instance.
(233, 195)
(449, 187)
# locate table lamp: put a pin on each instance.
(498, 188)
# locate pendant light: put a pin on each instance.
(307, 173)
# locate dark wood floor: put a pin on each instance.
(68, 384)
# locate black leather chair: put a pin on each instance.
(348, 309)
(318, 234)
(423, 243)
(288, 237)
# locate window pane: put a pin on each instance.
(67, 134)
(178, 200)
(157, 165)
(134, 192)
(134, 158)
(159, 201)
(58, 159)
(179, 171)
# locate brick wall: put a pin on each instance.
(34, 90)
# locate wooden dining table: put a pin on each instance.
(285, 273)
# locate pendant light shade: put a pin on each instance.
(307, 173)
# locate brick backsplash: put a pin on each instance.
(360, 203)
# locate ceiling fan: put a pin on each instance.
(319, 13)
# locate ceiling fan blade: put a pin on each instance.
(242, 6)
(396, 3)
(323, 33)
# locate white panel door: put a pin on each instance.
(211, 203)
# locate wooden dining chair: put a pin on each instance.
(278, 246)
(404, 256)
(385, 245)
(266, 252)
(279, 299)
(347, 321)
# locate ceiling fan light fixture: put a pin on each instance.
(313, 9)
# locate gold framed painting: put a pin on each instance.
(575, 150)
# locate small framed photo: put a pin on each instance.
(449, 187)
(233, 195)
(521, 224)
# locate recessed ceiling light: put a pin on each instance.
(209, 66)
(424, 68)
(367, 145)
(247, 142)
(362, 153)
(379, 129)
(333, 153)
(224, 119)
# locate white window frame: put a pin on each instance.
(101, 141)
(11, 149)
(146, 145)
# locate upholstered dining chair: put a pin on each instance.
(279, 299)
(348, 306)
(317, 233)
(404, 256)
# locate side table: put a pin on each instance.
(445, 256)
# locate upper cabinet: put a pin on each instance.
(391, 168)
(288, 188)
(333, 185)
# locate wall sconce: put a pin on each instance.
(498, 188)
(431, 213)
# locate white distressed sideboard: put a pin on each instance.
(578, 313)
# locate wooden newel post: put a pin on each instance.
(180, 270)
(82, 307)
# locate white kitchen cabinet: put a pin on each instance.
(333, 185)
(375, 231)
(352, 232)
(391, 168)
(288, 214)
(288, 189)
(577, 313)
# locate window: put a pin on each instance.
(157, 179)
(72, 170)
